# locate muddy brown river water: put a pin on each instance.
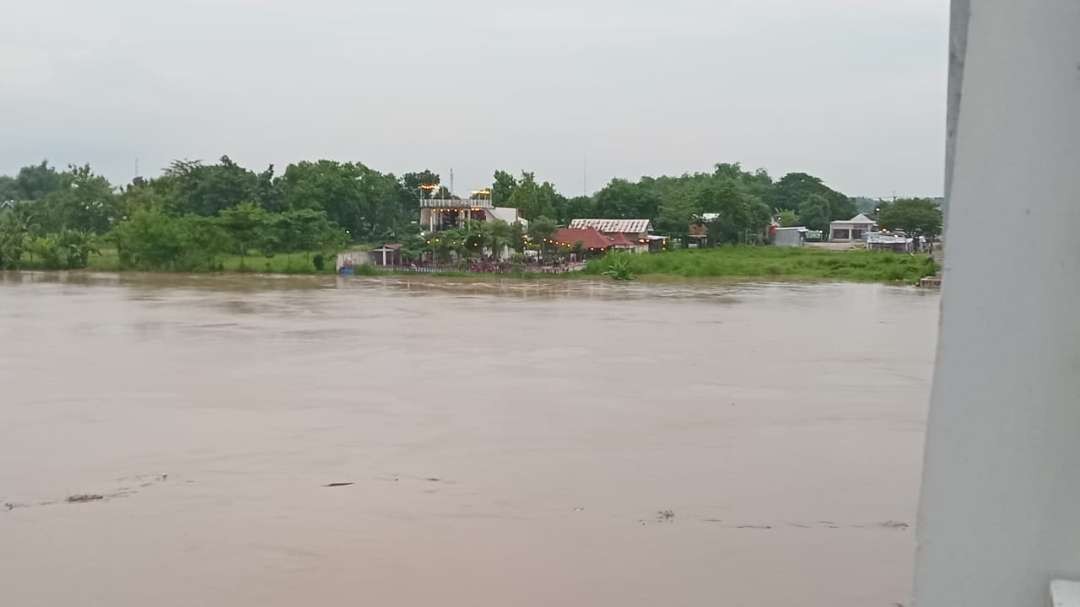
(513, 443)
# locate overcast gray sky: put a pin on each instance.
(850, 90)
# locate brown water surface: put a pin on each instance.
(563, 443)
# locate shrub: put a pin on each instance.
(618, 266)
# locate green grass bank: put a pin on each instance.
(107, 260)
(769, 263)
(749, 263)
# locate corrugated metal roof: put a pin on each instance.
(626, 226)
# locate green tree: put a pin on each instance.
(75, 247)
(13, 240)
(140, 197)
(534, 199)
(440, 247)
(35, 182)
(9, 190)
(474, 237)
(47, 251)
(459, 243)
(86, 202)
(202, 240)
(579, 207)
(915, 216)
(246, 225)
(787, 218)
(207, 189)
(304, 229)
(794, 190)
(815, 212)
(676, 212)
(499, 236)
(151, 239)
(369, 204)
(412, 244)
(541, 230)
(413, 181)
(66, 250)
(502, 188)
(742, 217)
(621, 199)
(517, 237)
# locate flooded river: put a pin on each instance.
(507, 443)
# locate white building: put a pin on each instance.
(852, 230)
(445, 213)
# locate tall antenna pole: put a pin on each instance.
(451, 182)
(136, 167)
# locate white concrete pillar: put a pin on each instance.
(1000, 506)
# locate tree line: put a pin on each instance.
(196, 212)
(740, 204)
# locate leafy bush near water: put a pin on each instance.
(618, 266)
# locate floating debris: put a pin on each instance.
(894, 525)
(665, 515)
(432, 479)
(82, 498)
(343, 484)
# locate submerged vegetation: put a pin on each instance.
(769, 262)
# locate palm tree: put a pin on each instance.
(499, 236)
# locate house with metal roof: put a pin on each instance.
(638, 232)
(591, 242)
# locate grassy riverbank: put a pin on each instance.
(770, 263)
(750, 263)
(107, 260)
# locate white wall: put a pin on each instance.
(1000, 507)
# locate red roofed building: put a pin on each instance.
(590, 238)
(635, 231)
(620, 241)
